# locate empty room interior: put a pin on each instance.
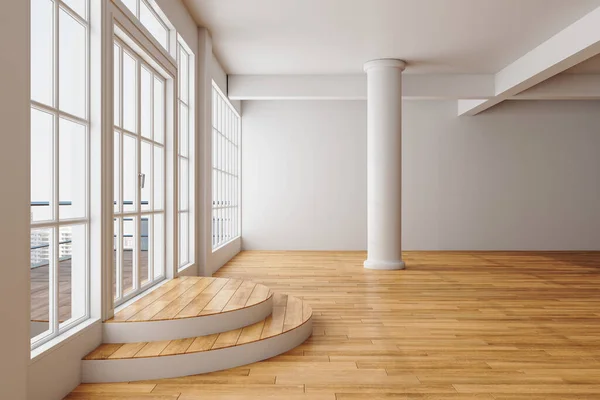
(300, 199)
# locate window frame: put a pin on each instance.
(226, 131)
(189, 104)
(121, 25)
(55, 223)
(138, 212)
(158, 14)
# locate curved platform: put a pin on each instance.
(188, 307)
(289, 325)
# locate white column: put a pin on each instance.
(384, 164)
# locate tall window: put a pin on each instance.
(226, 167)
(186, 143)
(139, 173)
(150, 18)
(59, 167)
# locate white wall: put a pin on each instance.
(14, 213)
(521, 176)
(304, 178)
(56, 372)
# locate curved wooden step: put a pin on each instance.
(190, 306)
(288, 326)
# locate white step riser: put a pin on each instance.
(153, 331)
(97, 371)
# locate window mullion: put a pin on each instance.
(53, 271)
(138, 208)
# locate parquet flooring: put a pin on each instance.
(453, 325)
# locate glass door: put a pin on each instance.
(139, 174)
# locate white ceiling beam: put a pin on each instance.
(564, 87)
(354, 87)
(573, 45)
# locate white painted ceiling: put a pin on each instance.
(338, 36)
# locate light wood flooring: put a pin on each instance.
(476, 325)
(189, 297)
(288, 313)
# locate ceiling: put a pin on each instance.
(338, 36)
(591, 66)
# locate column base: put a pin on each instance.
(384, 265)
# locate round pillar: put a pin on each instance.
(384, 164)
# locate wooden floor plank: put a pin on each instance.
(196, 306)
(293, 313)
(152, 349)
(259, 294)
(241, 296)
(465, 325)
(202, 343)
(103, 351)
(218, 303)
(227, 339)
(128, 350)
(179, 346)
(251, 333)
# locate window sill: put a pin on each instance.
(61, 340)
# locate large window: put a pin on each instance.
(59, 167)
(226, 166)
(140, 105)
(185, 151)
(150, 18)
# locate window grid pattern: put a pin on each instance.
(225, 170)
(59, 167)
(186, 184)
(146, 14)
(139, 174)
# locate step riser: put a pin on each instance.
(125, 370)
(152, 331)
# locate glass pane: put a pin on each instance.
(117, 240)
(183, 239)
(145, 249)
(129, 255)
(146, 175)
(183, 76)
(72, 65)
(117, 171)
(153, 24)
(129, 93)
(184, 184)
(132, 5)
(78, 6)
(42, 128)
(159, 110)
(42, 38)
(72, 169)
(130, 177)
(146, 103)
(159, 178)
(41, 262)
(159, 245)
(117, 84)
(184, 131)
(72, 267)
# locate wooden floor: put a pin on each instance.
(503, 326)
(189, 297)
(288, 313)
